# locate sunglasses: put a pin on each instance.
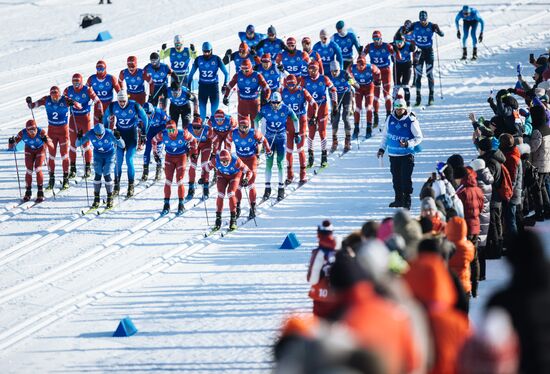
(206, 52)
(155, 61)
(275, 102)
(376, 39)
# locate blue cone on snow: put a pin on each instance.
(290, 242)
(125, 328)
(102, 36)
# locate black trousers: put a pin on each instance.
(401, 168)
(181, 111)
(426, 58)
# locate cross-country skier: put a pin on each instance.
(313, 55)
(298, 99)
(204, 135)
(341, 80)
(292, 60)
(105, 142)
(365, 78)
(247, 143)
(57, 111)
(400, 138)
(180, 98)
(470, 19)
(127, 115)
(250, 36)
(35, 139)
(244, 53)
(81, 120)
(178, 145)
(222, 125)
(230, 171)
(271, 44)
(274, 123)
(134, 79)
(159, 73)
(380, 54)
(318, 85)
(347, 41)
(403, 67)
(157, 122)
(103, 84)
(180, 57)
(423, 32)
(328, 50)
(208, 65)
(249, 84)
(271, 74)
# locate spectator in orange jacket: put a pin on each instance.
(459, 263)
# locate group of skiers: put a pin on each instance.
(283, 93)
(401, 287)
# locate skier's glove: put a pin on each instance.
(70, 102)
(142, 138)
(244, 182)
(458, 34)
(228, 52)
(192, 47)
(404, 143)
(312, 121)
(194, 158)
(490, 100)
(28, 100)
(225, 100)
(281, 67)
(163, 47)
(200, 181)
(116, 133)
(225, 89)
(297, 139)
(44, 138)
(11, 140)
(480, 37)
(157, 158)
(380, 153)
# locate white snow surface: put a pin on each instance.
(205, 305)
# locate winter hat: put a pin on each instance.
(524, 148)
(271, 30)
(409, 229)
(428, 203)
(31, 124)
(346, 272)
(456, 229)
(426, 224)
(455, 161)
(374, 258)
(352, 242)
(325, 228)
(485, 144)
(506, 142)
(99, 129)
(340, 25)
(486, 132)
(370, 229)
(122, 95)
(460, 172)
(477, 164)
(385, 230)
(427, 191)
(324, 234)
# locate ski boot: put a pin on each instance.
(218, 223)
(51, 182)
(375, 122)
(28, 194)
(464, 53)
(347, 143)
(158, 172)
(368, 134)
(87, 170)
(145, 174)
(191, 191)
(280, 193)
(431, 98)
(288, 181)
(334, 144)
(310, 158)
(72, 171)
(238, 209)
(267, 193)
(65, 181)
(418, 99)
(205, 191)
(407, 201)
(474, 54)
(116, 188)
(324, 161)
(355, 131)
(181, 208)
(40, 194)
(95, 204)
(166, 207)
(233, 221)
(397, 202)
(109, 203)
(130, 192)
(303, 177)
(252, 213)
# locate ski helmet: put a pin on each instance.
(178, 39)
(466, 10)
(77, 80)
(275, 97)
(99, 129)
(225, 155)
(306, 40)
(423, 15)
(206, 47)
(148, 108)
(340, 25)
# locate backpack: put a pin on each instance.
(506, 189)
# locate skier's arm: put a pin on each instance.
(230, 85)
(339, 57)
(417, 133)
(437, 30)
(143, 117)
(480, 20)
(356, 43)
(384, 140)
(265, 86)
(261, 139)
(119, 142)
(39, 102)
(294, 119)
(121, 78)
(116, 86)
(310, 100)
(457, 19)
(224, 70)
(192, 72)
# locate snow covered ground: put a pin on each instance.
(203, 305)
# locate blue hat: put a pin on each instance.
(465, 9)
(250, 28)
(340, 25)
(99, 129)
(206, 46)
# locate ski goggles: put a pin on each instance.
(224, 162)
(376, 39)
(178, 45)
(100, 68)
(171, 130)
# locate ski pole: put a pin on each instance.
(250, 204)
(438, 67)
(17, 170)
(206, 212)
